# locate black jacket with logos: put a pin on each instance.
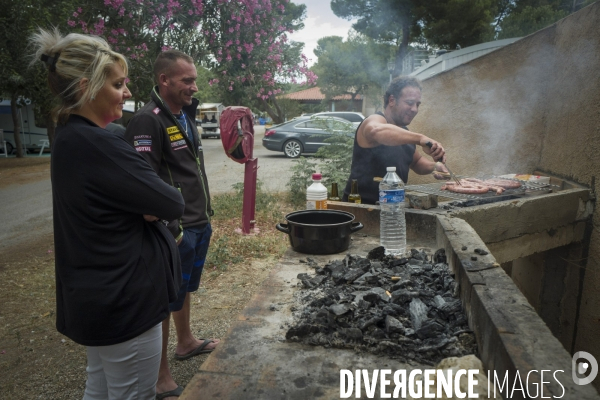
(157, 135)
(115, 272)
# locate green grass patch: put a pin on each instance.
(229, 246)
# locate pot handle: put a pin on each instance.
(356, 226)
(282, 228)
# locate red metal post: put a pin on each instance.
(249, 206)
(250, 170)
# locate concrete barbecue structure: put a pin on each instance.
(533, 301)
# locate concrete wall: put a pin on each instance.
(532, 105)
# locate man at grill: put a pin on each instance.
(383, 140)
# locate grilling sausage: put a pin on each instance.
(472, 186)
(466, 188)
(505, 183)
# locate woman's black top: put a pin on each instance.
(114, 271)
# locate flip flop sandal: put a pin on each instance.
(199, 350)
(171, 393)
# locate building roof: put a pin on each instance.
(314, 93)
(452, 59)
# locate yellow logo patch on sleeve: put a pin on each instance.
(172, 129)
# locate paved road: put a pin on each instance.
(26, 210)
(222, 172)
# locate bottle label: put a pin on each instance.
(391, 196)
(316, 204)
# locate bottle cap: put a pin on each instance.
(390, 169)
(316, 176)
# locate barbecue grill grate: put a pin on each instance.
(435, 188)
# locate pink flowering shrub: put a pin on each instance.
(244, 41)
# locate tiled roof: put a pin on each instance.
(314, 93)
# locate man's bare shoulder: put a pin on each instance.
(365, 130)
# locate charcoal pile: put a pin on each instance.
(404, 308)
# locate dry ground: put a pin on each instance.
(36, 362)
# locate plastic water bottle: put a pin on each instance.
(393, 222)
(316, 194)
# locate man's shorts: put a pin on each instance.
(192, 250)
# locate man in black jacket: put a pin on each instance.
(164, 132)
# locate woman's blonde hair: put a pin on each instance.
(70, 59)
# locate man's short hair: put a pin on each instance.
(166, 59)
(396, 86)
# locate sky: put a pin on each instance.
(320, 22)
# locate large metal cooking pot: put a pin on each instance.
(319, 231)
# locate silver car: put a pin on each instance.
(305, 134)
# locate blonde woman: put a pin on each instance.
(117, 265)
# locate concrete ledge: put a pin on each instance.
(512, 249)
(366, 214)
(511, 336)
(509, 219)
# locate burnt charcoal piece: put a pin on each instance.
(438, 301)
(377, 334)
(352, 333)
(377, 253)
(402, 296)
(339, 309)
(481, 252)
(325, 318)
(392, 325)
(353, 274)
(418, 255)
(376, 265)
(440, 256)
(334, 266)
(397, 263)
(451, 308)
(301, 331)
(393, 309)
(369, 322)
(364, 264)
(401, 284)
(363, 304)
(418, 313)
(376, 294)
(429, 329)
(306, 281)
(436, 346)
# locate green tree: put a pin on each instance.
(207, 93)
(446, 24)
(524, 17)
(385, 21)
(529, 20)
(350, 67)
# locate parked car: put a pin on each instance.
(304, 134)
(347, 115)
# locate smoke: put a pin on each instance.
(499, 107)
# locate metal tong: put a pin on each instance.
(454, 178)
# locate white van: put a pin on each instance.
(33, 129)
